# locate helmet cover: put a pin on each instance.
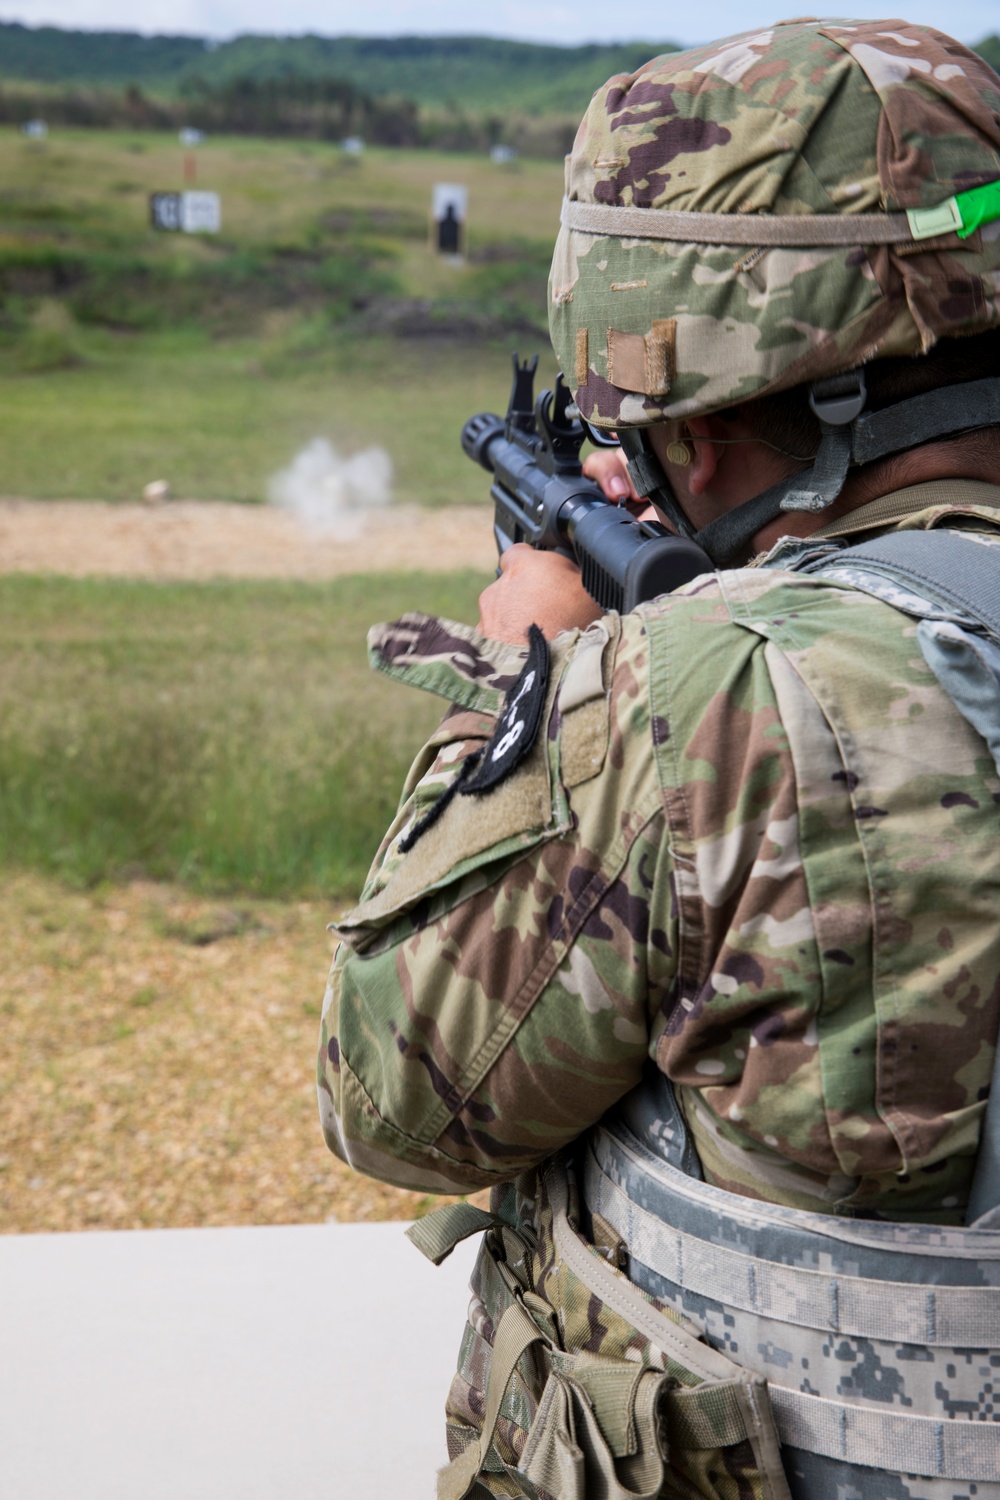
(774, 135)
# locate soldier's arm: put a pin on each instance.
(493, 994)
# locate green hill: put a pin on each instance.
(990, 49)
(48, 54)
(472, 73)
(469, 73)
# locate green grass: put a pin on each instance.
(217, 419)
(229, 736)
(95, 184)
(127, 356)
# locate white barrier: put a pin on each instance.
(299, 1363)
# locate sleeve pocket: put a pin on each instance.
(460, 853)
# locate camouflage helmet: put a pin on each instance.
(773, 209)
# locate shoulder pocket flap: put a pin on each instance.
(473, 832)
(446, 658)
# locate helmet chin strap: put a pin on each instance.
(650, 480)
(850, 437)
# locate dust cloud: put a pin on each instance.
(330, 494)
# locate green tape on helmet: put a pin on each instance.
(978, 206)
(962, 215)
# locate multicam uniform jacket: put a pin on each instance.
(754, 846)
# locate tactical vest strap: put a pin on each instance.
(961, 1452)
(951, 567)
(613, 1290)
(437, 1234)
(515, 1334)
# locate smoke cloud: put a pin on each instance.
(329, 493)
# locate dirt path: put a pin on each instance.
(193, 539)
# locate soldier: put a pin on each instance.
(684, 939)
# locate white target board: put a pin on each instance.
(201, 213)
(186, 213)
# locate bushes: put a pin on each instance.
(125, 291)
(284, 104)
(50, 341)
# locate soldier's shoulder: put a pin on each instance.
(446, 657)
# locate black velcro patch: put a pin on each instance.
(515, 733)
(519, 722)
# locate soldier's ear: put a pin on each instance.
(706, 455)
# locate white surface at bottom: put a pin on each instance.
(301, 1363)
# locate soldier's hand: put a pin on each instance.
(540, 588)
(608, 467)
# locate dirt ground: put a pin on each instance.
(157, 1067)
(212, 539)
(158, 1064)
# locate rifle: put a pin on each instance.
(542, 498)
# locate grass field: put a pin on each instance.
(226, 735)
(96, 183)
(320, 311)
(210, 734)
(217, 418)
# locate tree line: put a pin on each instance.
(306, 108)
(288, 105)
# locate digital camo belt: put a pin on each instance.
(880, 1342)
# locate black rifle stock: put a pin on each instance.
(541, 497)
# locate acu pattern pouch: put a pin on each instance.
(574, 1385)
